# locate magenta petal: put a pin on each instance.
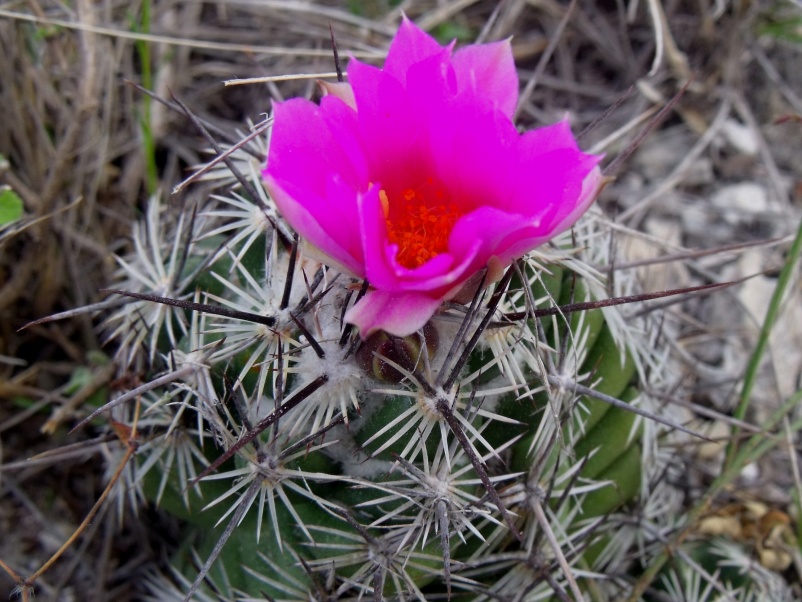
(398, 312)
(555, 186)
(315, 170)
(479, 163)
(373, 236)
(549, 138)
(303, 146)
(487, 72)
(501, 237)
(591, 186)
(387, 125)
(490, 227)
(341, 245)
(410, 46)
(523, 240)
(343, 124)
(431, 85)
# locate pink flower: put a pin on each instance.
(416, 178)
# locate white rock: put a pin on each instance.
(741, 137)
(750, 473)
(696, 219)
(741, 201)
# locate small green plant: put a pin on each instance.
(11, 207)
(141, 24)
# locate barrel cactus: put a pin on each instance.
(320, 440)
(476, 455)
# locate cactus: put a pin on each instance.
(459, 461)
(500, 452)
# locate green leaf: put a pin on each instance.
(445, 32)
(11, 207)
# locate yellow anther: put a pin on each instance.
(385, 203)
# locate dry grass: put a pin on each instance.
(79, 141)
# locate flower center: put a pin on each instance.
(421, 222)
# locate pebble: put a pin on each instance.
(741, 202)
(741, 137)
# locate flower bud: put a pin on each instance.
(406, 352)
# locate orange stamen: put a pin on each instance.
(385, 203)
(421, 226)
